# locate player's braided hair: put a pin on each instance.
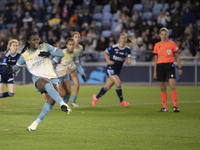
(28, 35)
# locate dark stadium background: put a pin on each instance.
(100, 22)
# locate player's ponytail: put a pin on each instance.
(129, 40)
(28, 35)
(25, 47)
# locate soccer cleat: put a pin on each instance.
(163, 109)
(125, 104)
(33, 126)
(176, 109)
(65, 108)
(95, 99)
(74, 105)
(44, 95)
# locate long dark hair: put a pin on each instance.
(28, 35)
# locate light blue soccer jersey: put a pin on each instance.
(39, 66)
(66, 64)
(79, 50)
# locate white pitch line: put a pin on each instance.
(103, 105)
(4, 129)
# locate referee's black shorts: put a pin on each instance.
(165, 71)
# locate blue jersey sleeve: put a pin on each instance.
(54, 51)
(50, 48)
(80, 69)
(129, 53)
(109, 50)
(78, 65)
(76, 58)
(21, 61)
(55, 60)
(4, 60)
(19, 64)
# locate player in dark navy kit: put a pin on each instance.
(9, 59)
(115, 56)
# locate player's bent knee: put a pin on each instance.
(62, 94)
(118, 85)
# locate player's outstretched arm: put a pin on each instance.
(15, 68)
(57, 53)
(54, 51)
(55, 60)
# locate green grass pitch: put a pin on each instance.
(109, 126)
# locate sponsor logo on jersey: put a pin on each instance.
(118, 58)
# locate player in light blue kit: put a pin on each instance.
(36, 58)
(115, 56)
(68, 64)
(74, 76)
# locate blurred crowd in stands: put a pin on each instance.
(101, 21)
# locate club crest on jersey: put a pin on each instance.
(169, 51)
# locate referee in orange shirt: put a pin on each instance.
(164, 68)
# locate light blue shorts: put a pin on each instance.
(64, 78)
(52, 81)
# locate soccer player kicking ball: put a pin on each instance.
(36, 58)
(164, 68)
(115, 56)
